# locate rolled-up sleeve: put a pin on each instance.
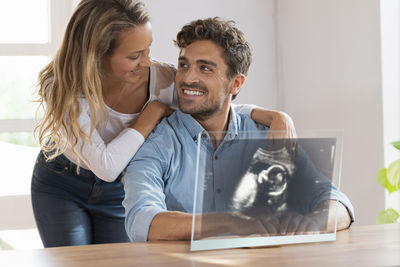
(310, 187)
(144, 191)
(334, 194)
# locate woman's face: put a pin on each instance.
(129, 62)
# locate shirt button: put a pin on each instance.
(216, 157)
(218, 190)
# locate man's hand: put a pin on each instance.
(292, 223)
(321, 220)
(242, 224)
(236, 223)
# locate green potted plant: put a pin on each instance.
(389, 178)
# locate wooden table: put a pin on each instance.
(376, 245)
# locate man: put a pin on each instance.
(159, 181)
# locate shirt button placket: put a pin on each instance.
(218, 184)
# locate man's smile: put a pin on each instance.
(191, 92)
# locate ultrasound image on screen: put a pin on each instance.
(262, 187)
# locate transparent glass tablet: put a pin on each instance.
(255, 191)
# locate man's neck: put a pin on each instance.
(216, 124)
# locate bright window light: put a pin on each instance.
(24, 21)
(18, 85)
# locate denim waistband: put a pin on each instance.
(72, 167)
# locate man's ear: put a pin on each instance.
(237, 83)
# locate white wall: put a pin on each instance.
(330, 77)
(254, 17)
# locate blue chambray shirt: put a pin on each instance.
(161, 176)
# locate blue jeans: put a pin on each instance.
(72, 209)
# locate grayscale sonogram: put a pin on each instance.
(264, 186)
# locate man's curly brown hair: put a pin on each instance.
(237, 51)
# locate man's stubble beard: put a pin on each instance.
(204, 110)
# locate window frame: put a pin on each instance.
(59, 12)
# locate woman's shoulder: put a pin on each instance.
(163, 68)
(162, 82)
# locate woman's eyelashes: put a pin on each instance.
(133, 58)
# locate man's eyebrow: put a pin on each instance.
(203, 61)
(200, 61)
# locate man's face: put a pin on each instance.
(201, 81)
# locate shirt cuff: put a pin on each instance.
(135, 135)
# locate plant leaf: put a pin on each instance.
(387, 216)
(393, 173)
(396, 145)
(381, 177)
(391, 188)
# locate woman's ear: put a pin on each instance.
(237, 83)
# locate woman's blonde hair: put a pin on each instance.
(76, 71)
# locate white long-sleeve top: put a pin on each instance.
(113, 147)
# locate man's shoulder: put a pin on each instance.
(163, 142)
(245, 123)
(165, 129)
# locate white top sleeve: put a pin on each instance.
(106, 161)
(245, 109)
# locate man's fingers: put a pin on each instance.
(293, 224)
(302, 226)
(271, 225)
(284, 222)
(312, 228)
(259, 228)
(307, 226)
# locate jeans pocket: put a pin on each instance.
(57, 165)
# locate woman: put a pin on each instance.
(102, 96)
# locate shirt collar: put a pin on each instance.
(194, 128)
